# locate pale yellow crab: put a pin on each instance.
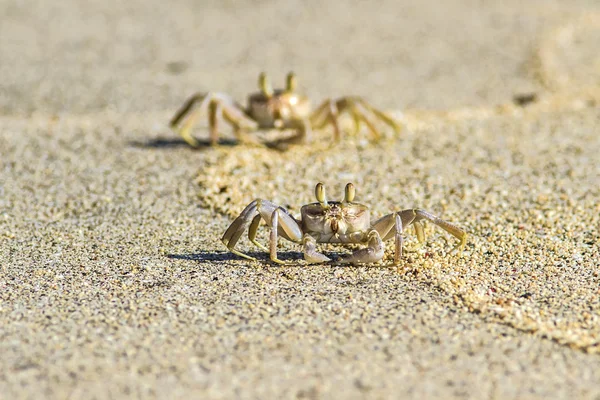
(276, 109)
(341, 222)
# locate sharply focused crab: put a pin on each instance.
(342, 222)
(276, 109)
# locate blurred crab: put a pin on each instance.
(276, 109)
(342, 222)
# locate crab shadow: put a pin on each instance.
(211, 256)
(162, 142)
(294, 259)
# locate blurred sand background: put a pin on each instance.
(113, 283)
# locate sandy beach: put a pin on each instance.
(114, 283)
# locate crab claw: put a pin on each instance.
(311, 255)
(370, 254)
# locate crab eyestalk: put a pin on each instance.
(291, 83)
(349, 193)
(264, 85)
(320, 194)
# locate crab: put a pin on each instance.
(338, 222)
(277, 109)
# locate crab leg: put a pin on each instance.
(184, 130)
(327, 113)
(391, 122)
(319, 117)
(398, 239)
(219, 104)
(214, 108)
(289, 229)
(392, 225)
(333, 115)
(419, 231)
(360, 111)
(284, 225)
(238, 226)
(252, 230)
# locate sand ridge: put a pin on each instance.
(536, 220)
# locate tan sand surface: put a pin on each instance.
(113, 281)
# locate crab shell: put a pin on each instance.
(336, 221)
(277, 110)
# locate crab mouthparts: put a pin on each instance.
(334, 226)
(338, 226)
